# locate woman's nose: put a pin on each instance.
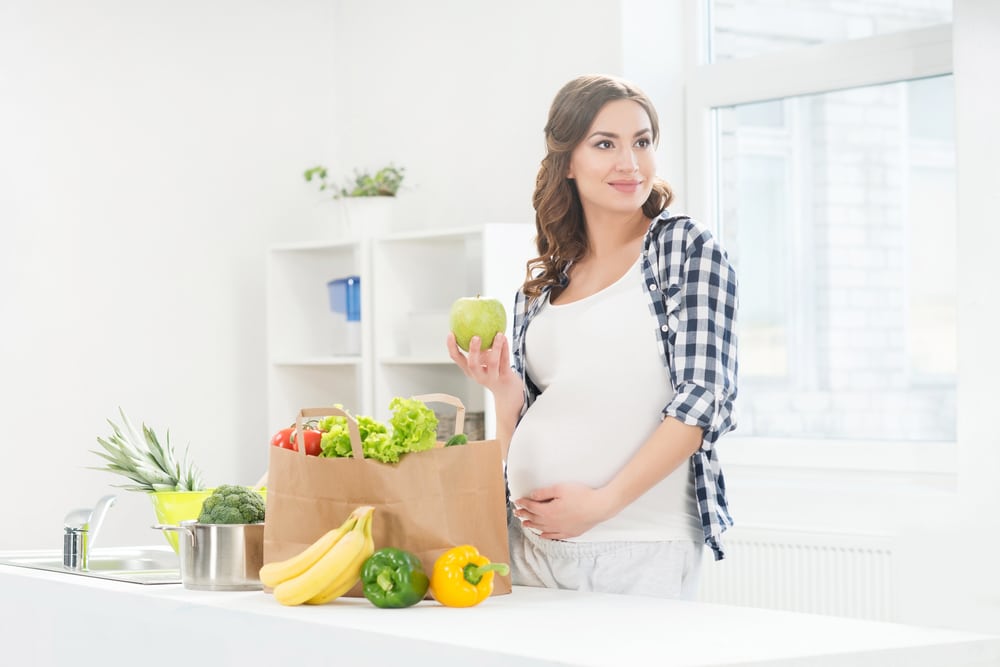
(627, 162)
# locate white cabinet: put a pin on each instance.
(407, 283)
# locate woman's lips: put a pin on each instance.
(626, 186)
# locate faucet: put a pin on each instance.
(81, 528)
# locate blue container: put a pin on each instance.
(345, 297)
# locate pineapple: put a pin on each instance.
(152, 466)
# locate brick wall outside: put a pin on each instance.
(842, 345)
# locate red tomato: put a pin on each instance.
(312, 439)
(287, 439)
(283, 438)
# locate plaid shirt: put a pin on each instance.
(692, 290)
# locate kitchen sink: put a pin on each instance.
(139, 565)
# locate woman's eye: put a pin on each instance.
(603, 144)
(644, 143)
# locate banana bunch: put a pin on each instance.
(326, 569)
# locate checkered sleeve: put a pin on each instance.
(522, 316)
(701, 303)
(520, 311)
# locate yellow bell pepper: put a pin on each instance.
(462, 577)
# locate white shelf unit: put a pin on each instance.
(408, 283)
(309, 364)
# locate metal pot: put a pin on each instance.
(219, 557)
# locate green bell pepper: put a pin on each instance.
(393, 578)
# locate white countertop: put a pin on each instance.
(51, 618)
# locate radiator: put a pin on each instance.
(838, 574)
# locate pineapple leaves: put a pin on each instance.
(144, 460)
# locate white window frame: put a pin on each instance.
(766, 142)
(882, 59)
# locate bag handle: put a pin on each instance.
(352, 428)
(352, 425)
(448, 399)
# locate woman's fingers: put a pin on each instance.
(483, 366)
(528, 519)
(504, 353)
(494, 360)
(474, 363)
(476, 358)
(456, 354)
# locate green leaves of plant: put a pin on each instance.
(144, 460)
(383, 183)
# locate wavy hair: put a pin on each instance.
(561, 235)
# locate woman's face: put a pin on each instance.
(615, 163)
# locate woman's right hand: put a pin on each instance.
(491, 368)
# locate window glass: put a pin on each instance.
(744, 28)
(839, 216)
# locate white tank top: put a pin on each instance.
(597, 364)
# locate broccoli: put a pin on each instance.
(232, 504)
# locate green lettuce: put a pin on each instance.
(336, 441)
(414, 426)
(414, 429)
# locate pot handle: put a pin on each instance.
(177, 529)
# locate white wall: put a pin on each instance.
(458, 92)
(150, 152)
(974, 535)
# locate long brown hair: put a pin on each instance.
(561, 236)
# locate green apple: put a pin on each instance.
(477, 316)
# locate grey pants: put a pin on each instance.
(659, 569)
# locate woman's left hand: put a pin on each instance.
(562, 511)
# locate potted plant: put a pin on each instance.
(383, 183)
(366, 198)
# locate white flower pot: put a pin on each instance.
(366, 217)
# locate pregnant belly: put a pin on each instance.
(589, 446)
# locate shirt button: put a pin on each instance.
(652, 286)
(664, 328)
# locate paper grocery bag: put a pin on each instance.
(427, 503)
